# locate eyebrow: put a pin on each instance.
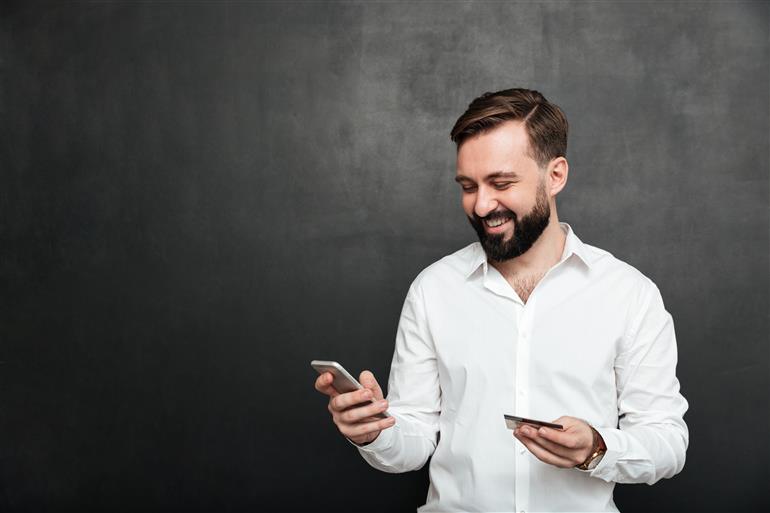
(491, 176)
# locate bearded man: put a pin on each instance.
(529, 321)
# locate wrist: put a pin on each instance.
(598, 449)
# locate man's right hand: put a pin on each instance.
(352, 412)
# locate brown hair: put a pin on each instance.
(545, 122)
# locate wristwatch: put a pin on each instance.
(596, 454)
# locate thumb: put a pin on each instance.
(367, 380)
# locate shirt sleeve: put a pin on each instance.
(414, 395)
(652, 437)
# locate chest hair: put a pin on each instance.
(524, 285)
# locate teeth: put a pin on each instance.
(496, 222)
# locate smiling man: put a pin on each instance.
(529, 321)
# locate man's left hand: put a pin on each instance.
(563, 449)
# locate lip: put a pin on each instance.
(497, 229)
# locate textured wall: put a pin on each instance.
(197, 199)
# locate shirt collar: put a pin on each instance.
(572, 246)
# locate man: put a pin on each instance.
(529, 321)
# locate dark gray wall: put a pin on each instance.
(198, 199)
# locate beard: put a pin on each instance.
(525, 232)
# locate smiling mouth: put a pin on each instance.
(496, 223)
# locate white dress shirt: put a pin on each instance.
(593, 341)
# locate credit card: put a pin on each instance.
(512, 421)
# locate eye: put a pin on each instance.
(502, 185)
(469, 188)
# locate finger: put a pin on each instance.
(366, 378)
(566, 421)
(572, 455)
(343, 401)
(371, 419)
(368, 427)
(569, 423)
(324, 384)
(569, 440)
(577, 434)
(353, 415)
(542, 454)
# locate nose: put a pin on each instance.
(485, 202)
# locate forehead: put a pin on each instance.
(504, 147)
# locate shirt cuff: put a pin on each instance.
(615, 443)
(383, 441)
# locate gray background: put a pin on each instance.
(197, 199)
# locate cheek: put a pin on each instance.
(468, 204)
(513, 204)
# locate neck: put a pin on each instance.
(544, 253)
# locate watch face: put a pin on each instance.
(594, 462)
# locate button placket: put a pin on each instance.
(522, 399)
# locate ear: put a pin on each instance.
(556, 175)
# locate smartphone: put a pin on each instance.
(512, 422)
(343, 381)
